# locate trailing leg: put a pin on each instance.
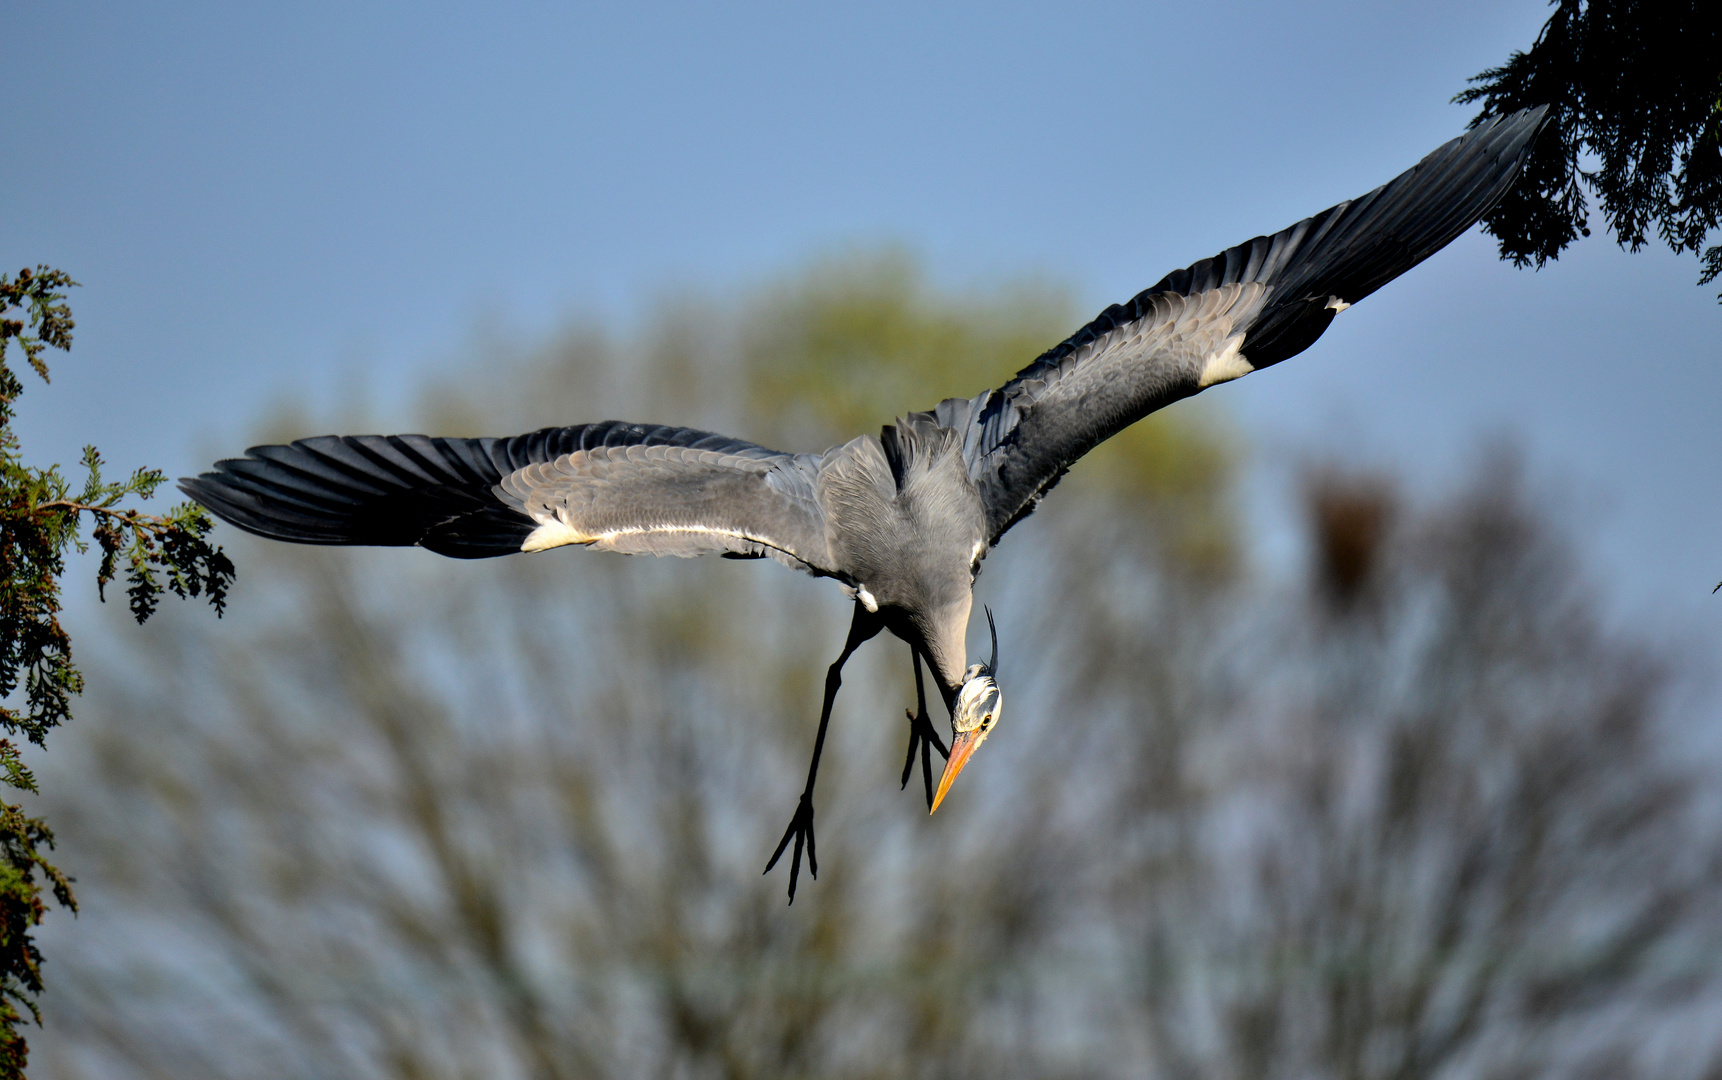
(865, 625)
(922, 735)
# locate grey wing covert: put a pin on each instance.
(1246, 308)
(633, 488)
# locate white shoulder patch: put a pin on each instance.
(1225, 365)
(860, 593)
(554, 533)
(1336, 305)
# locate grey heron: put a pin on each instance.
(900, 520)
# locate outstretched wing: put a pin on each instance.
(1242, 310)
(634, 488)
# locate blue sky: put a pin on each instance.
(268, 201)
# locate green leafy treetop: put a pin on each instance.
(41, 515)
(1636, 90)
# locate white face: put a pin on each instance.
(979, 703)
(977, 710)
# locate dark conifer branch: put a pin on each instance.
(1635, 89)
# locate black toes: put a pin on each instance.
(801, 831)
(914, 741)
(922, 737)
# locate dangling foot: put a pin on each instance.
(800, 829)
(922, 736)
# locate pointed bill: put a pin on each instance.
(962, 748)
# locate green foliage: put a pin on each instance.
(1636, 86)
(41, 514)
(854, 342)
(1174, 473)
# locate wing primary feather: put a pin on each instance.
(1175, 338)
(478, 498)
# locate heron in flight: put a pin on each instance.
(900, 520)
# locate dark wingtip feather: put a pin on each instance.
(1350, 250)
(254, 512)
(1307, 273)
(401, 490)
(374, 490)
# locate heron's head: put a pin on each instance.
(976, 712)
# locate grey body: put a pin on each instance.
(900, 520)
(906, 529)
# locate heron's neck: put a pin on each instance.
(947, 690)
(945, 643)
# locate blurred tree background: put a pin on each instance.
(1415, 814)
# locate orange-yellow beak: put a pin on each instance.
(962, 748)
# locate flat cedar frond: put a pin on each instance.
(40, 518)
